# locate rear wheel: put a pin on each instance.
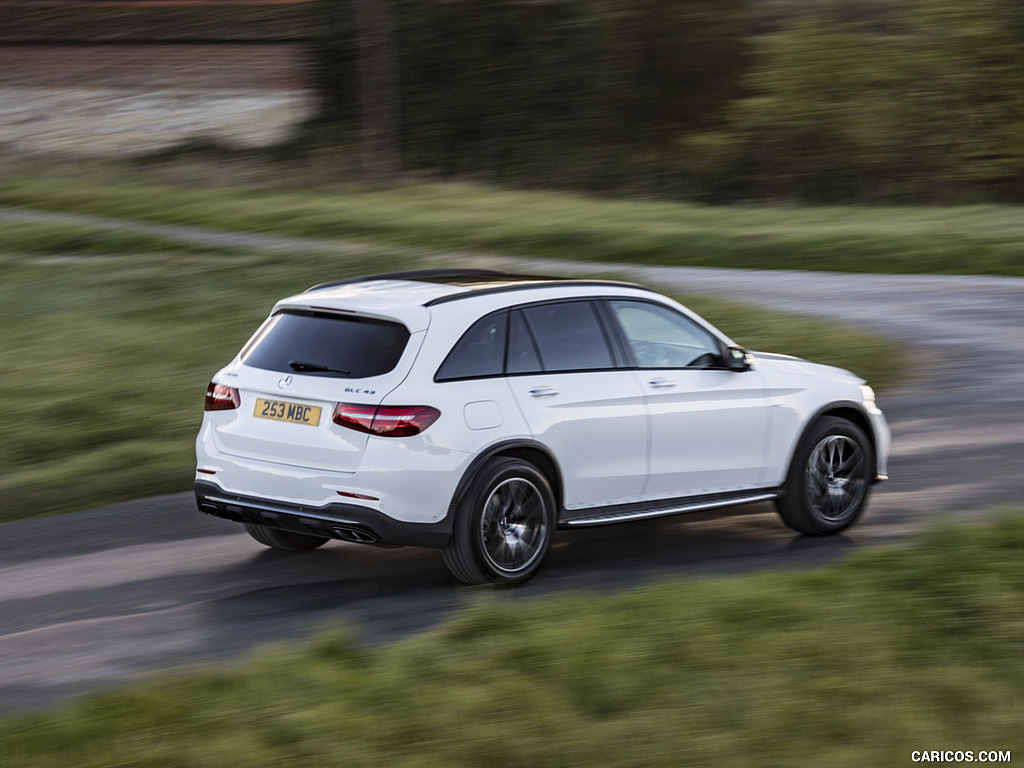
(503, 525)
(286, 540)
(827, 487)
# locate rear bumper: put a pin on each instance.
(346, 522)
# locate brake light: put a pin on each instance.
(221, 398)
(387, 420)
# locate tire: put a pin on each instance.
(286, 540)
(829, 480)
(503, 525)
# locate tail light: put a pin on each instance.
(387, 420)
(221, 398)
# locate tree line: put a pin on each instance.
(820, 100)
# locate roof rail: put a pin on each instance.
(480, 281)
(548, 282)
(424, 275)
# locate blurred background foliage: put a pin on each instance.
(910, 100)
(723, 100)
(585, 93)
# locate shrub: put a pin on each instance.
(908, 101)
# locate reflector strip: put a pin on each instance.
(358, 496)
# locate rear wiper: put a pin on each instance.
(300, 366)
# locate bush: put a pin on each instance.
(908, 101)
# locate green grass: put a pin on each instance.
(107, 357)
(65, 240)
(857, 664)
(110, 340)
(963, 240)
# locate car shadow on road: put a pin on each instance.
(386, 595)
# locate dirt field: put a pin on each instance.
(147, 67)
(124, 99)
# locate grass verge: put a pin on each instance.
(861, 663)
(962, 240)
(110, 340)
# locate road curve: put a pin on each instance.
(93, 599)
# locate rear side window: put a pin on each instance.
(326, 344)
(568, 336)
(522, 352)
(480, 351)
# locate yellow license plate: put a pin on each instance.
(278, 410)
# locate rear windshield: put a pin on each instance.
(322, 344)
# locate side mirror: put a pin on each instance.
(738, 359)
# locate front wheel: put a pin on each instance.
(503, 525)
(286, 540)
(828, 482)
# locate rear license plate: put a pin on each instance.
(278, 410)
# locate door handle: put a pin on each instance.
(661, 383)
(543, 391)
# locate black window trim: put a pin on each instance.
(619, 360)
(614, 336)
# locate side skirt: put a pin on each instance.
(662, 508)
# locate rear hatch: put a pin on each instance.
(294, 372)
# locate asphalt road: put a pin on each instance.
(94, 599)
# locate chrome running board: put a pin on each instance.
(677, 507)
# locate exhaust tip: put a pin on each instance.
(355, 535)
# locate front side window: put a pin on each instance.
(659, 337)
(326, 344)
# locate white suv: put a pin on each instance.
(478, 412)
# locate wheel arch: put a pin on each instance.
(848, 410)
(527, 450)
